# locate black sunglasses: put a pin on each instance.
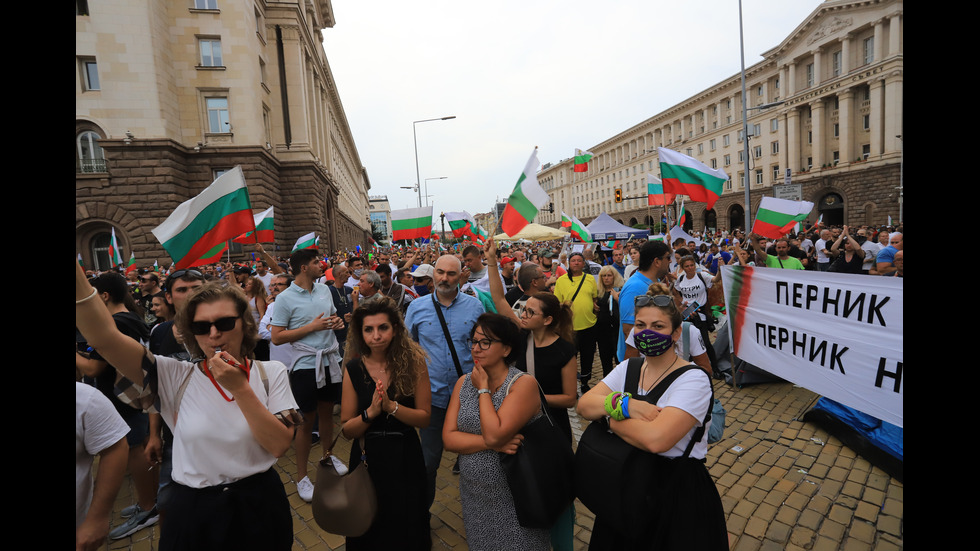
(204, 327)
(483, 343)
(658, 300)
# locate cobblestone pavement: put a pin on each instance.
(787, 486)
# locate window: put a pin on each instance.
(727, 140)
(774, 146)
(809, 136)
(206, 4)
(809, 75)
(218, 121)
(690, 152)
(773, 125)
(867, 122)
(741, 156)
(809, 163)
(757, 130)
(759, 91)
(757, 151)
(712, 144)
(91, 158)
(758, 176)
(775, 173)
(211, 52)
(838, 58)
(836, 130)
(869, 50)
(836, 157)
(866, 151)
(728, 160)
(714, 163)
(741, 136)
(90, 74)
(700, 148)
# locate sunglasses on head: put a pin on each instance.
(658, 300)
(204, 327)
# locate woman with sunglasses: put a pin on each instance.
(230, 421)
(386, 397)
(486, 412)
(685, 508)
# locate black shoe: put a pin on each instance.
(456, 466)
(316, 437)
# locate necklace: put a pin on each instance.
(643, 374)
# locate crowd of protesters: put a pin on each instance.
(434, 327)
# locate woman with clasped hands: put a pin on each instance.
(487, 409)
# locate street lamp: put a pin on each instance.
(427, 186)
(415, 137)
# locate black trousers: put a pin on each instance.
(585, 343)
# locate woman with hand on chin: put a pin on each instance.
(386, 397)
(487, 410)
(230, 421)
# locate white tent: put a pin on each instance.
(533, 232)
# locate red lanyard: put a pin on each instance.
(248, 371)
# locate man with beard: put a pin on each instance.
(441, 324)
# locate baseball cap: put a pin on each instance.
(425, 270)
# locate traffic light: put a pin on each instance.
(619, 196)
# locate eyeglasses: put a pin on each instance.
(528, 313)
(662, 301)
(483, 343)
(222, 324)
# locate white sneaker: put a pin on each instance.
(305, 489)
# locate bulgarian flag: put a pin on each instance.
(582, 159)
(685, 175)
(308, 241)
(776, 217)
(80, 262)
(200, 226)
(132, 263)
(263, 233)
(525, 200)
(655, 192)
(115, 254)
(566, 222)
(460, 223)
(156, 267)
(681, 215)
(411, 223)
(614, 244)
(579, 231)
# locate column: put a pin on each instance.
(895, 34)
(893, 112)
(793, 140)
(817, 125)
(791, 84)
(877, 116)
(845, 117)
(817, 68)
(845, 54)
(879, 40)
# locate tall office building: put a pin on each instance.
(171, 93)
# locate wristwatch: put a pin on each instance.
(483, 391)
(364, 416)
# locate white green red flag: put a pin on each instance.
(579, 231)
(80, 262)
(156, 267)
(655, 192)
(115, 253)
(132, 263)
(614, 244)
(582, 159)
(525, 200)
(308, 241)
(685, 175)
(681, 215)
(264, 225)
(199, 228)
(566, 221)
(460, 223)
(777, 217)
(411, 223)
(889, 220)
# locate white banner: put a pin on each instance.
(839, 335)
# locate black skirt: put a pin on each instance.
(690, 516)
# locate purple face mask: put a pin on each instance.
(651, 343)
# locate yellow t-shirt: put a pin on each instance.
(583, 311)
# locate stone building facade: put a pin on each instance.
(826, 103)
(171, 94)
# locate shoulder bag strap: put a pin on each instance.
(530, 354)
(662, 387)
(544, 401)
(445, 331)
(180, 393)
(569, 274)
(633, 375)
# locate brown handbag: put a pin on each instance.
(343, 504)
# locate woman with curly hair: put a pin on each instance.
(386, 397)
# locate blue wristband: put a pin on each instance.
(626, 403)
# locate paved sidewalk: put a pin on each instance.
(790, 486)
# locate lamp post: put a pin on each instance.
(415, 137)
(427, 187)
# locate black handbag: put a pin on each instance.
(540, 473)
(618, 481)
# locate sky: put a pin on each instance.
(558, 75)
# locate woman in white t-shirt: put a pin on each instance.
(695, 518)
(230, 421)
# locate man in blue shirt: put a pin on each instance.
(422, 320)
(655, 257)
(712, 262)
